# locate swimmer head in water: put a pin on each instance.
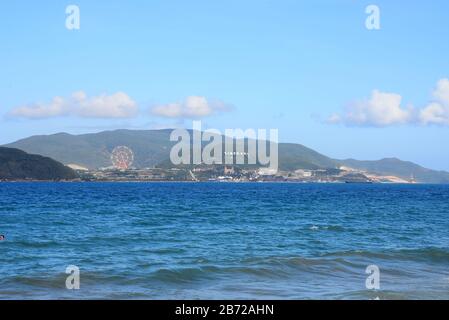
(2, 237)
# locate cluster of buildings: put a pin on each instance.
(148, 174)
(234, 174)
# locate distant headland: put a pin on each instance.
(87, 157)
(17, 165)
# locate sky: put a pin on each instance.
(311, 69)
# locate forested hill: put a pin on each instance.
(19, 165)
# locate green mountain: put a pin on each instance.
(18, 165)
(399, 168)
(296, 156)
(94, 150)
(152, 148)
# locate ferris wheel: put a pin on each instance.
(122, 157)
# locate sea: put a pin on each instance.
(224, 241)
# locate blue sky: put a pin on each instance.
(309, 68)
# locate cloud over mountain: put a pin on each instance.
(191, 107)
(385, 109)
(117, 105)
(437, 112)
(381, 109)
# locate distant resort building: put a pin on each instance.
(228, 170)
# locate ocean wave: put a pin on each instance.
(337, 228)
(432, 254)
(35, 244)
(58, 280)
(345, 262)
(257, 268)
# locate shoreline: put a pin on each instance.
(217, 182)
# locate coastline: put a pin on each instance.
(219, 182)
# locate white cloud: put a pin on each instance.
(381, 109)
(55, 108)
(117, 105)
(441, 92)
(334, 118)
(191, 107)
(437, 112)
(385, 109)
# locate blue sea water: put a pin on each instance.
(224, 240)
